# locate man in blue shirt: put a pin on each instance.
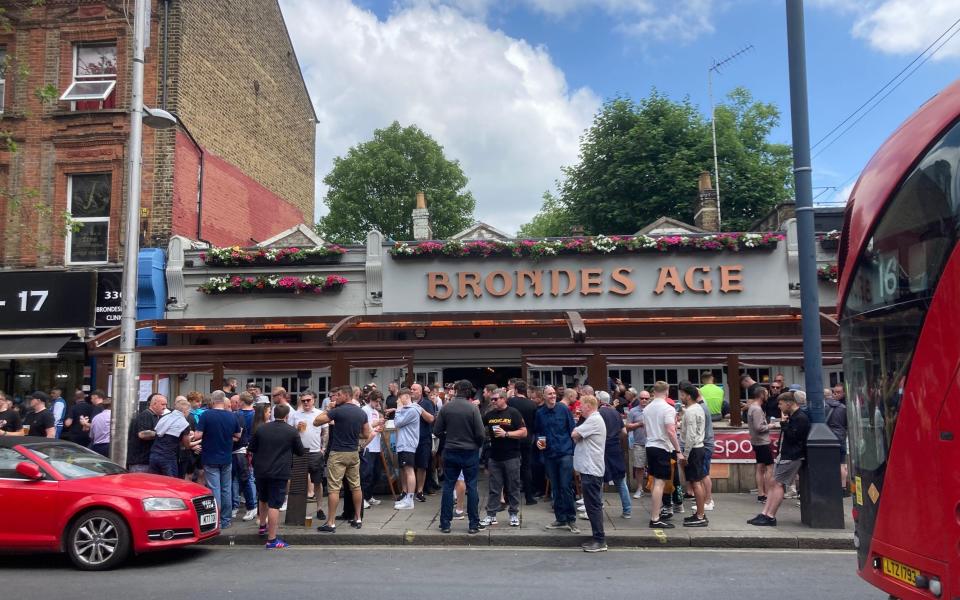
(218, 429)
(553, 427)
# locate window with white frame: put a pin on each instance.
(94, 77)
(3, 78)
(88, 204)
(542, 377)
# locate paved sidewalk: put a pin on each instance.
(384, 526)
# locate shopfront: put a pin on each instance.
(376, 313)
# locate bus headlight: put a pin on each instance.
(934, 586)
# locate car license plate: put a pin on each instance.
(208, 519)
(900, 571)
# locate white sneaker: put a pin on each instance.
(234, 513)
(514, 520)
(708, 505)
(251, 515)
(638, 494)
(366, 505)
(580, 502)
(405, 504)
(582, 514)
(459, 515)
(284, 507)
(374, 502)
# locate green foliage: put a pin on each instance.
(553, 220)
(640, 161)
(375, 187)
(47, 94)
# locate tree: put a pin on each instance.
(640, 161)
(553, 220)
(375, 187)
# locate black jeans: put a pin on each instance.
(592, 487)
(526, 469)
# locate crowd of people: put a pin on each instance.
(533, 442)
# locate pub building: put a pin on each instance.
(666, 304)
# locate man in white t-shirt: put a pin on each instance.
(588, 460)
(370, 466)
(314, 440)
(660, 424)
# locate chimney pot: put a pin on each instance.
(421, 200)
(706, 182)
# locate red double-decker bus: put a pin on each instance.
(899, 309)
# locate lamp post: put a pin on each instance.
(126, 362)
(821, 503)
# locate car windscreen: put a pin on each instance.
(75, 462)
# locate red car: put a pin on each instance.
(60, 497)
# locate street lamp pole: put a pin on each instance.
(126, 362)
(821, 504)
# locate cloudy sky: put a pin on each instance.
(508, 86)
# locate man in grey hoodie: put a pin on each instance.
(459, 421)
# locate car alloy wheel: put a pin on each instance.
(98, 540)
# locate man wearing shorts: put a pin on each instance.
(407, 422)
(795, 426)
(760, 439)
(638, 440)
(424, 456)
(313, 439)
(348, 423)
(660, 423)
(692, 460)
(272, 447)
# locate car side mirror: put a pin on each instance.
(29, 470)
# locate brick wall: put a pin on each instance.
(237, 210)
(260, 136)
(240, 93)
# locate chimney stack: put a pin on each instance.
(421, 219)
(707, 215)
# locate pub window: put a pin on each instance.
(3, 77)
(694, 376)
(88, 203)
(94, 77)
(624, 375)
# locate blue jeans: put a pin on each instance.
(243, 481)
(165, 465)
(455, 461)
(560, 473)
(624, 495)
(219, 482)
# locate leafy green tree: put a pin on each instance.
(375, 185)
(553, 220)
(640, 161)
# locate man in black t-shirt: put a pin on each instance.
(10, 422)
(40, 420)
(390, 403)
(142, 434)
(348, 423)
(528, 410)
(505, 428)
(424, 454)
(82, 410)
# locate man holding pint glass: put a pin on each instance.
(553, 427)
(313, 438)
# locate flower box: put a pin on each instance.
(601, 244)
(272, 284)
(260, 257)
(829, 273)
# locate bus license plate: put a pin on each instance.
(212, 518)
(900, 571)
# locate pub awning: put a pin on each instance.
(32, 346)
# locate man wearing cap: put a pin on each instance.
(40, 420)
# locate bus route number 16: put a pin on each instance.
(889, 277)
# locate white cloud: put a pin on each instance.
(901, 26)
(495, 103)
(659, 20)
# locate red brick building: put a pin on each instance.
(226, 69)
